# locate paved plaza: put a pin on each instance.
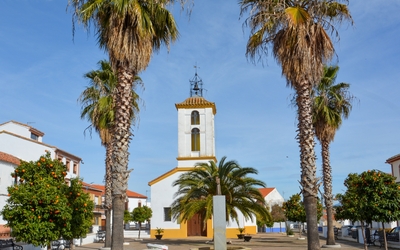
(258, 242)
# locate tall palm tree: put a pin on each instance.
(296, 31)
(331, 104)
(197, 187)
(129, 30)
(98, 108)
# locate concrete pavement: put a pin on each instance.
(259, 241)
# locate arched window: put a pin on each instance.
(195, 118)
(195, 139)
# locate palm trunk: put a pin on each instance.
(327, 178)
(108, 196)
(309, 181)
(121, 139)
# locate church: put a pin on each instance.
(196, 144)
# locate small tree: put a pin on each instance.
(295, 211)
(140, 215)
(42, 207)
(277, 214)
(371, 196)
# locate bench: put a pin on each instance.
(10, 243)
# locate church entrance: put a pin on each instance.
(195, 226)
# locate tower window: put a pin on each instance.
(195, 139)
(195, 118)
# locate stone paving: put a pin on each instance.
(258, 242)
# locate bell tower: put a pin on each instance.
(196, 138)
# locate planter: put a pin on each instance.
(247, 238)
(158, 236)
(240, 236)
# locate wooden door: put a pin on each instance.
(195, 226)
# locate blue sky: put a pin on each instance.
(41, 71)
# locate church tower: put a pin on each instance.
(196, 136)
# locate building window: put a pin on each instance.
(139, 203)
(75, 168)
(34, 137)
(167, 214)
(195, 139)
(195, 118)
(67, 164)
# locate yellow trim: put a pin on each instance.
(169, 173)
(197, 158)
(233, 232)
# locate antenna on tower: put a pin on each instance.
(196, 84)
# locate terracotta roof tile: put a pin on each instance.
(9, 158)
(196, 102)
(265, 191)
(393, 158)
(129, 193)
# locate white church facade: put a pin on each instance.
(196, 144)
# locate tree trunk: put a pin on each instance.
(309, 181)
(121, 139)
(107, 241)
(108, 195)
(384, 235)
(364, 236)
(140, 226)
(327, 178)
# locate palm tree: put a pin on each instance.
(98, 108)
(296, 32)
(197, 187)
(331, 103)
(129, 31)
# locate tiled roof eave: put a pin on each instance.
(393, 158)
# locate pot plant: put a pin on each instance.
(247, 237)
(241, 232)
(290, 232)
(159, 232)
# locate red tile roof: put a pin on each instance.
(9, 158)
(265, 191)
(129, 193)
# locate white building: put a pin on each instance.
(273, 197)
(22, 142)
(394, 162)
(26, 143)
(196, 144)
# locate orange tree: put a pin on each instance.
(371, 196)
(140, 215)
(41, 206)
(295, 211)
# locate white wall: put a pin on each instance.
(134, 203)
(6, 180)
(274, 197)
(162, 196)
(24, 149)
(396, 169)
